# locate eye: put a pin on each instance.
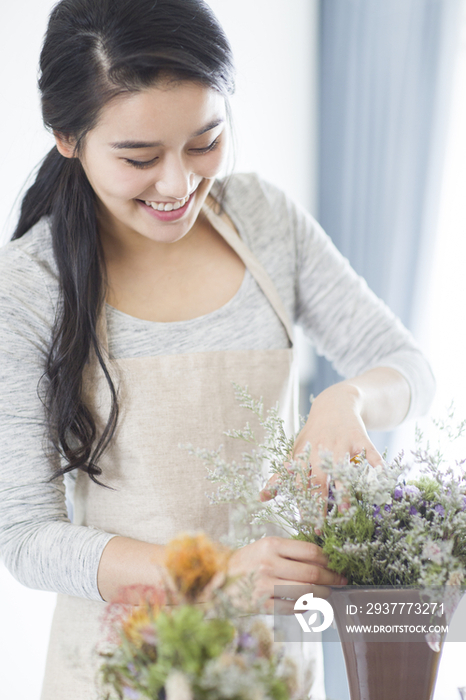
(208, 148)
(141, 163)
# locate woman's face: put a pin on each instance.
(152, 158)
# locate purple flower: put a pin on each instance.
(412, 491)
(246, 641)
(376, 513)
(130, 693)
(463, 507)
(398, 492)
(413, 510)
(439, 509)
(387, 508)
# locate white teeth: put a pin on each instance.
(169, 206)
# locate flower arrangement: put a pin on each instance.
(379, 528)
(172, 646)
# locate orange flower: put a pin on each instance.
(192, 561)
(138, 625)
(136, 622)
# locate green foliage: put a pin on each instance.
(203, 651)
(186, 640)
(430, 488)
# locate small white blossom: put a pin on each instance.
(177, 687)
(456, 578)
(434, 552)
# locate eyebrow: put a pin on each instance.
(153, 144)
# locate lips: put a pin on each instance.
(173, 213)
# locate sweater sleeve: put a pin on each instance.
(39, 545)
(346, 321)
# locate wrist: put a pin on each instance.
(126, 564)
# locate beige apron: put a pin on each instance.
(158, 490)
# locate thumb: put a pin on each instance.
(270, 490)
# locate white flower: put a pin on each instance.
(177, 687)
(380, 485)
(432, 551)
(456, 578)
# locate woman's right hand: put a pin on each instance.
(277, 561)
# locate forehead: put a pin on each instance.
(160, 113)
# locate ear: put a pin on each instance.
(65, 144)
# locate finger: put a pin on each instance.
(267, 494)
(299, 551)
(319, 481)
(271, 488)
(309, 574)
(282, 606)
(369, 452)
(374, 457)
(343, 498)
(285, 606)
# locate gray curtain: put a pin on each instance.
(385, 83)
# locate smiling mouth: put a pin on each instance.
(168, 206)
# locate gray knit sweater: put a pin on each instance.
(337, 311)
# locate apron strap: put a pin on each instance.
(226, 229)
(101, 329)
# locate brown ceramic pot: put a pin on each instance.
(384, 670)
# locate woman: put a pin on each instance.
(137, 288)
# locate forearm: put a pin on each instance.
(382, 397)
(127, 563)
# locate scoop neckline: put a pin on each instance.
(239, 292)
(221, 309)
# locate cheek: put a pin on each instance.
(115, 181)
(212, 163)
(122, 184)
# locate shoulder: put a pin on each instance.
(260, 205)
(29, 260)
(28, 281)
(253, 198)
(269, 219)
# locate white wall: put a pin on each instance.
(274, 116)
(274, 44)
(24, 140)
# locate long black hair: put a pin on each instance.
(93, 51)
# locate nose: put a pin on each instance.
(173, 178)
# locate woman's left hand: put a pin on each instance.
(334, 425)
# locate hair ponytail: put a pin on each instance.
(93, 51)
(62, 192)
(38, 200)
